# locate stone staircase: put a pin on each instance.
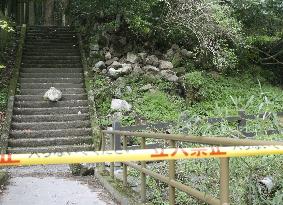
(51, 57)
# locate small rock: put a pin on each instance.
(116, 64)
(165, 65)
(169, 75)
(137, 69)
(94, 47)
(129, 89)
(104, 71)
(126, 68)
(186, 53)
(118, 104)
(53, 95)
(79, 113)
(100, 65)
(142, 56)
(169, 54)
(132, 58)
(108, 56)
(110, 61)
(152, 60)
(113, 72)
(146, 87)
(151, 68)
(175, 47)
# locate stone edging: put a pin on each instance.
(12, 91)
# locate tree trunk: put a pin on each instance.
(49, 9)
(31, 13)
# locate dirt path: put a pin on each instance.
(52, 185)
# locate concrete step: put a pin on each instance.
(25, 57)
(52, 70)
(22, 134)
(52, 65)
(40, 142)
(49, 125)
(42, 91)
(50, 149)
(50, 111)
(47, 104)
(51, 80)
(50, 118)
(40, 97)
(48, 85)
(51, 61)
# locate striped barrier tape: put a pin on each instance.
(136, 155)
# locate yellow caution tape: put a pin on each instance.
(136, 155)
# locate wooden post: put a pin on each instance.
(117, 138)
(112, 163)
(125, 170)
(242, 122)
(224, 181)
(143, 177)
(172, 173)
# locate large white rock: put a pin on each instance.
(113, 72)
(151, 68)
(126, 68)
(118, 104)
(53, 95)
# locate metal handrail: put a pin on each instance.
(170, 180)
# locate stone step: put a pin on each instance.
(42, 91)
(52, 53)
(50, 149)
(51, 61)
(48, 85)
(51, 43)
(40, 142)
(53, 70)
(22, 134)
(42, 51)
(76, 57)
(50, 65)
(51, 80)
(50, 111)
(50, 46)
(50, 118)
(40, 97)
(49, 125)
(30, 74)
(46, 104)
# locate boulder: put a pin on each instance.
(119, 105)
(108, 56)
(53, 95)
(142, 56)
(169, 75)
(132, 58)
(151, 68)
(146, 87)
(126, 68)
(110, 61)
(175, 47)
(112, 72)
(100, 65)
(165, 65)
(137, 69)
(169, 54)
(152, 60)
(94, 47)
(186, 53)
(116, 64)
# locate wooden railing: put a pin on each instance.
(170, 179)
